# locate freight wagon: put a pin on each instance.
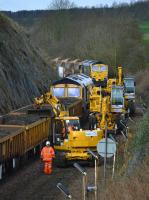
(20, 135)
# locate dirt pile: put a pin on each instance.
(23, 73)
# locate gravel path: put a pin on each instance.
(30, 183)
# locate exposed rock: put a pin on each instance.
(23, 73)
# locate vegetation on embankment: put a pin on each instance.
(133, 184)
(142, 87)
(142, 77)
(141, 139)
(140, 144)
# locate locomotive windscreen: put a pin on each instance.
(74, 92)
(97, 68)
(59, 92)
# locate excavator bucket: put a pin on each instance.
(43, 111)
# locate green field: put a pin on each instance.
(144, 27)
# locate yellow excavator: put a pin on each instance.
(106, 108)
(107, 105)
(69, 140)
(129, 90)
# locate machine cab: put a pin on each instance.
(117, 99)
(63, 127)
(129, 88)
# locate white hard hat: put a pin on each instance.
(47, 143)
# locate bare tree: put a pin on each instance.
(61, 4)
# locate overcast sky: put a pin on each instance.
(15, 5)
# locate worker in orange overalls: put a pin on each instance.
(47, 155)
(70, 128)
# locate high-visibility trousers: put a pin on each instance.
(47, 167)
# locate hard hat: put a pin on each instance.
(47, 143)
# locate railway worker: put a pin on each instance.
(64, 132)
(47, 155)
(70, 128)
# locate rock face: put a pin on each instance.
(23, 73)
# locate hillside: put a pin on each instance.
(97, 33)
(22, 70)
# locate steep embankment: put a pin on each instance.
(22, 70)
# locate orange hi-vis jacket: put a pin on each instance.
(47, 153)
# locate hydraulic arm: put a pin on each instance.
(120, 76)
(48, 98)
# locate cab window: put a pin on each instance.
(129, 85)
(98, 68)
(117, 97)
(103, 68)
(74, 92)
(73, 124)
(58, 92)
(95, 68)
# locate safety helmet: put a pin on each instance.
(47, 143)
